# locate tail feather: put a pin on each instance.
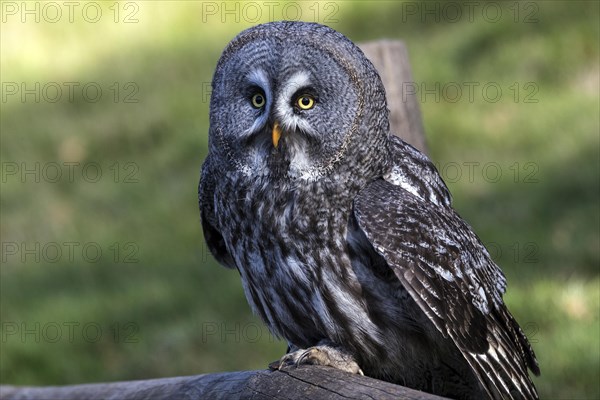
(502, 369)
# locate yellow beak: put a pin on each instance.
(276, 134)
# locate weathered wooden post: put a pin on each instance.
(390, 57)
(306, 382)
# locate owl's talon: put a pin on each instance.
(275, 365)
(303, 357)
(287, 360)
(325, 354)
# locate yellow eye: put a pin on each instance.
(258, 100)
(305, 102)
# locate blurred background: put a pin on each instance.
(104, 120)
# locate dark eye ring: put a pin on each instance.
(258, 100)
(305, 102)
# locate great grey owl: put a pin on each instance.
(343, 234)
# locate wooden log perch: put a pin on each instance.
(305, 382)
(312, 382)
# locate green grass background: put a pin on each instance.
(173, 311)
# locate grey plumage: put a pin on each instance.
(344, 236)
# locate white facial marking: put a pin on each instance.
(283, 108)
(259, 78)
(300, 162)
(256, 156)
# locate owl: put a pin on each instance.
(344, 235)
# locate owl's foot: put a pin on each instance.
(325, 353)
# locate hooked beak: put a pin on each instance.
(276, 134)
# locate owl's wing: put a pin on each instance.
(414, 172)
(451, 276)
(206, 202)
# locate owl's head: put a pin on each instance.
(296, 100)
